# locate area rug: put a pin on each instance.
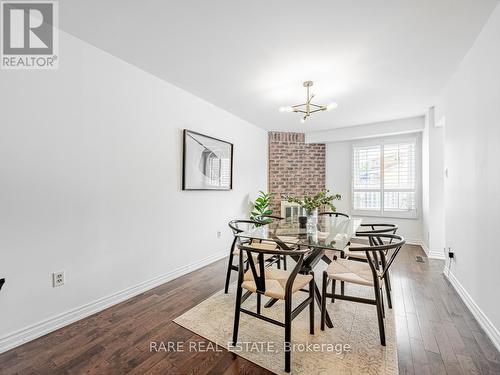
(351, 347)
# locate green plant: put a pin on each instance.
(310, 203)
(260, 207)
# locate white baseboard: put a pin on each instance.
(413, 241)
(409, 241)
(491, 331)
(430, 254)
(419, 242)
(49, 325)
(435, 255)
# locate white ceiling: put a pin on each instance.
(379, 60)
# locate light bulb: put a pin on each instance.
(331, 106)
(285, 109)
(302, 120)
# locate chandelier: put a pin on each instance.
(308, 108)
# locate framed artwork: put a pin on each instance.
(207, 162)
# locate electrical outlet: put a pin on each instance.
(58, 279)
(451, 253)
(219, 234)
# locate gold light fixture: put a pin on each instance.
(308, 108)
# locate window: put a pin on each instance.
(384, 178)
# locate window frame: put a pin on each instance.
(408, 138)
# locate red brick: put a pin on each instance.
(295, 168)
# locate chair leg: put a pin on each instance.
(388, 280)
(334, 286)
(333, 291)
(382, 302)
(258, 303)
(323, 300)
(388, 289)
(237, 314)
(380, 315)
(311, 306)
(288, 334)
(284, 262)
(228, 275)
(278, 263)
(342, 284)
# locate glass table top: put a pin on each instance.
(332, 233)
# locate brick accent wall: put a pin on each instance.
(295, 168)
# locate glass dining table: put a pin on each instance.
(330, 233)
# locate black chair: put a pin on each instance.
(372, 229)
(371, 274)
(381, 228)
(369, 229)
(269, 219)
(333, 214)
(238, 226)
(274, 283)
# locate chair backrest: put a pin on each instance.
(273, 217)
(333, 214)
(375, 229)
(257, 265)
(268, 219)
(387, 251)
(238, 226)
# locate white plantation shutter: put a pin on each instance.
(399, 177)
(384, 177)
(367, 177)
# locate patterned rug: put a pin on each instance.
(351, 347)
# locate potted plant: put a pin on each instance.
(310, 204)
(260, 208)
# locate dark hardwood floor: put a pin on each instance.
(436, 333)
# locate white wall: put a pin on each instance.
(470, 104)
(425, 182)
(338, 180)
(373, 130)
(90, 166)
(433, 234)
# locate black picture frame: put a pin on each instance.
(188, 185)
